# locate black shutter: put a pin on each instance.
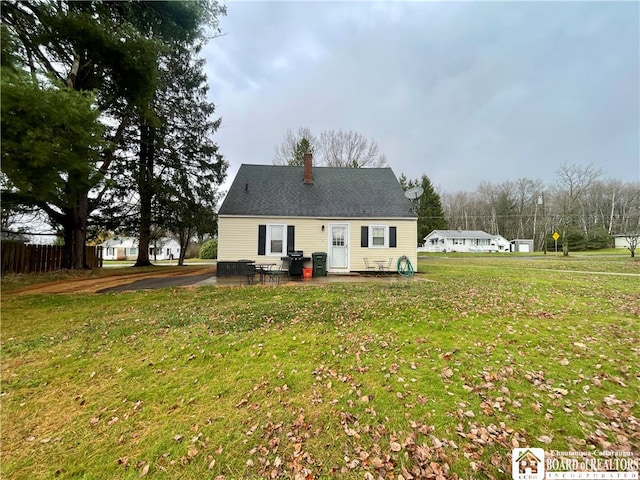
(364, 237)
(291, 238)
(262, 239)
(393, 235)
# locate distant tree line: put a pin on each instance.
(583, 208)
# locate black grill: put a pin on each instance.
(296, 260)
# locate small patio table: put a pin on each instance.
(381, 264)
(263, 270)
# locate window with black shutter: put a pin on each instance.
(378, 236)
(364, 236)
(262, 239)
(291, 238)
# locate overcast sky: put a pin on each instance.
(462, 92)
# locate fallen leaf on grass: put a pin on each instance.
(545, 439)
(351, 432)
(611, 400)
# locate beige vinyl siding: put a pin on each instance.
(238, 238)
(406, 235)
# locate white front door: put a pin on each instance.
(339, 247)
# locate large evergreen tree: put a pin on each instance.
(186, 163)
(110, 49)
(173, 166)
(51, 143)
(428, 207)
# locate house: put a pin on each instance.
(502, 243)
(464, 241)
(623, 241)
(164, 248)
(348, 213)
(43, 239)
(126, 248)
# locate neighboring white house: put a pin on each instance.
(622, 241)
(42, 239)
(464, 241)
(126, 248)
(502, 243)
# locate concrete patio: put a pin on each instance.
(298, 281)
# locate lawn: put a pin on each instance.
(438, 378)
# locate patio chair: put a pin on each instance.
(278, 275)
(387, 268)
(247, 271)
(368, 266)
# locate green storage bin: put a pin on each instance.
(319, 260)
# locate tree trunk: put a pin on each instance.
(613, 209)
(75, 234)
(633, 244)
(183, 239)
(565, 242)
(145, 189)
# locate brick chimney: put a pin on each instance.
(308, 168)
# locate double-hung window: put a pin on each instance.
(276, 239)
(378, 236)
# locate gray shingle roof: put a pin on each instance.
(464, 234)
(271, 190)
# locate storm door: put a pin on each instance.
(339, 247)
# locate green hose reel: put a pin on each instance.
(405, 268)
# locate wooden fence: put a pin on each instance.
(20, 258)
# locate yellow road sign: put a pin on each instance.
(556, 236)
